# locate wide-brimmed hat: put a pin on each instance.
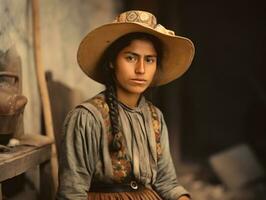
(178, 51)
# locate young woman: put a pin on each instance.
(116, 145)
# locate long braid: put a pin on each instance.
(109, 57)
(110, 95)
(111, 100)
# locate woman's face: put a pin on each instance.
(135, 67)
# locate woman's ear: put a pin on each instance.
(111, 65)
(155, 77)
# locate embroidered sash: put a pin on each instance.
(121, 164)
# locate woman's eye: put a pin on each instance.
(150, 60)
(131, 58)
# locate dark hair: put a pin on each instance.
(108, 58)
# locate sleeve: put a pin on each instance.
(78, 154)
(166, 183)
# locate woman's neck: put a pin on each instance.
(129, 99)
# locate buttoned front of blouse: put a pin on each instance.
(85, 154)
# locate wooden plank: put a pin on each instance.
(22, 158)
(1, 192)
(46, 182)
(32, 182)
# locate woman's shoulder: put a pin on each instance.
(88, 109)
(153, 108)
(96, 105)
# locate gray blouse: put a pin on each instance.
(84, 152)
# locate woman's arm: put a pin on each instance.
(78, 153)
(166, 183)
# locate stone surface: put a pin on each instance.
(237, 166)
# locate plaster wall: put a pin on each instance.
(63, 25)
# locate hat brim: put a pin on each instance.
(178, 52)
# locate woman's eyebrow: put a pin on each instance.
(136, 54)
(152, 56)
(130, 52)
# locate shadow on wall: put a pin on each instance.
(62, 99)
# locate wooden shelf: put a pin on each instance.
(21, 159)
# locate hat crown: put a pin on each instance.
(137, 16)
(144, 18)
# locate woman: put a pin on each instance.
(116, 145)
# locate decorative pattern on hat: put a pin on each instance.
(135, 16)
(144, 18)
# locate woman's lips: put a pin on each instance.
(139, 81)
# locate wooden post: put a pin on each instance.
(46, 107)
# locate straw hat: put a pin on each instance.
(178, 51)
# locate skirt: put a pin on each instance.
(145, 194)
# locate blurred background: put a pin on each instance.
(216, 112)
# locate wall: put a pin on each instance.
(63, 25)
(224, 99)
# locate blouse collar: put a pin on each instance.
(138, 108)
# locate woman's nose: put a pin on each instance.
(140, 67)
